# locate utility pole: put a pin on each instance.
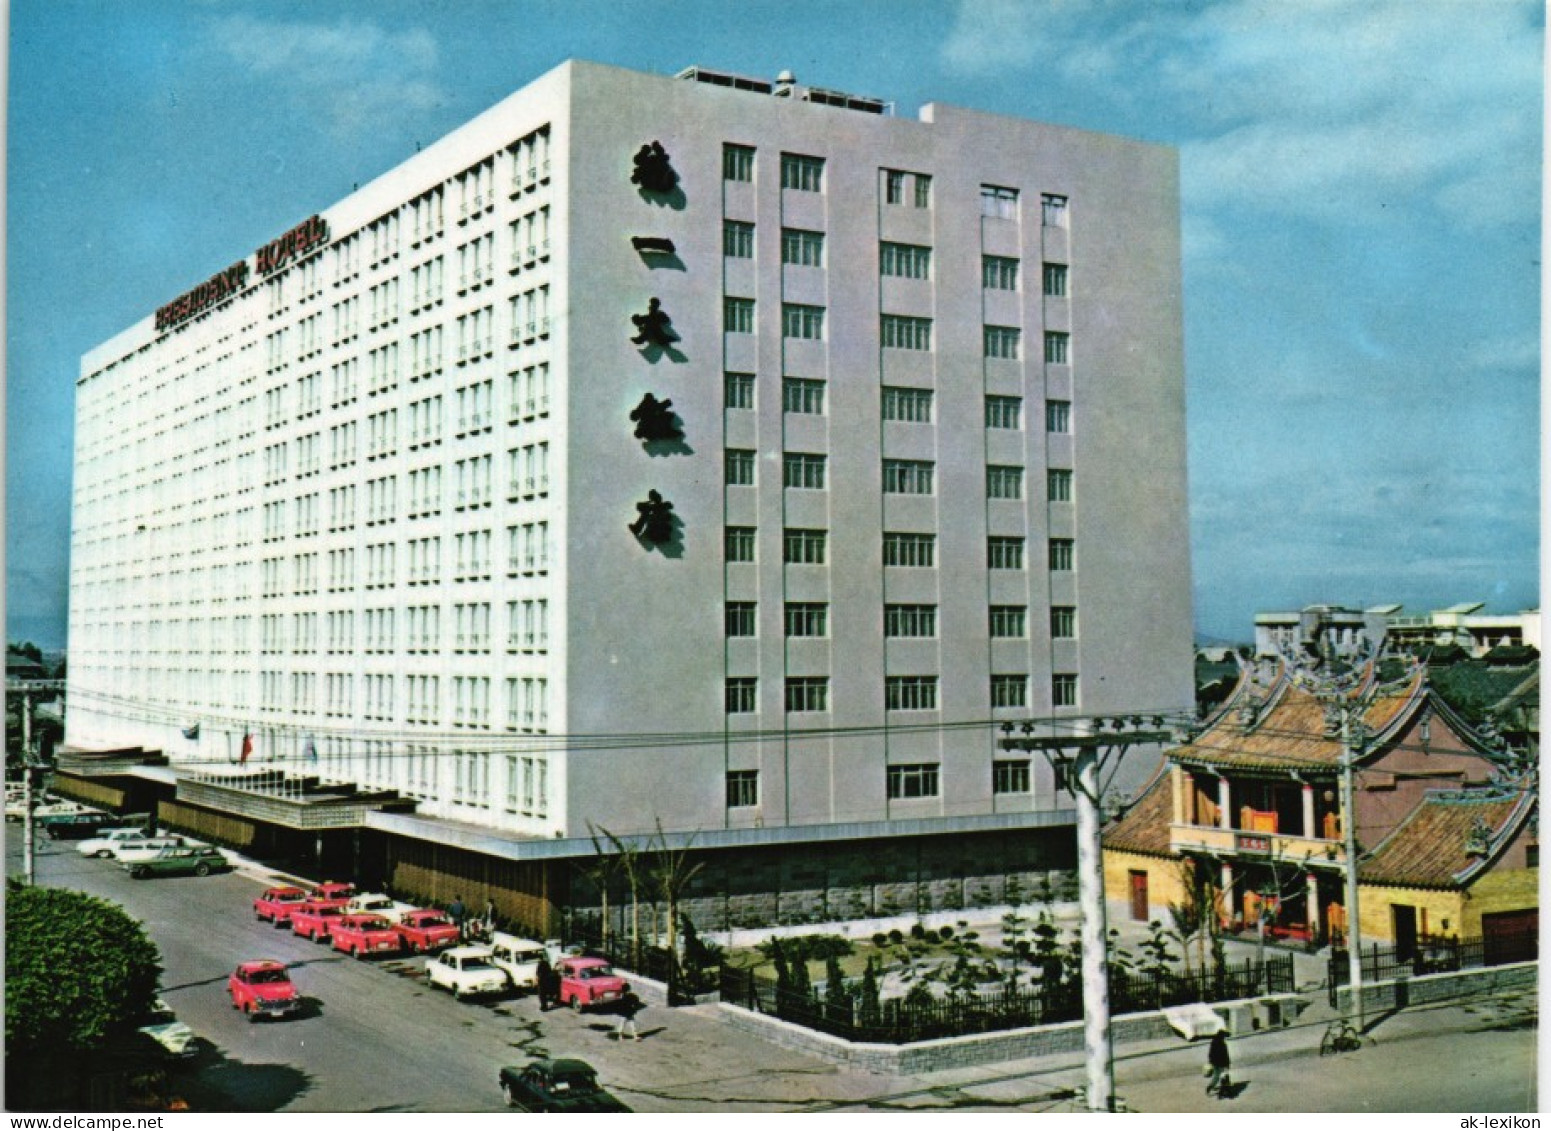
(1339, 689)
(29, 843)
(1076, 760)
(1354, 958)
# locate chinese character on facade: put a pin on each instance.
(653, 172)
(654, 519)
(654, 327)
(655, 420)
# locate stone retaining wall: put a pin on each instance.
(1399, 993)
(947, 1052)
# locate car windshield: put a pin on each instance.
(596, 972)
(475, 963)
(574, 1082)
(527, 955)
(264, 977)
(289, 896)
(432, 921)
(374, 925)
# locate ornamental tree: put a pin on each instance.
(78, 970)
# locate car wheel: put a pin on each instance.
(139, 871)
(576, 1002)
(201, 869)
(103, 853)
(252, 1015)
(511, 1097)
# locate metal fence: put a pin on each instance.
(897, 1021)
(1386, 961)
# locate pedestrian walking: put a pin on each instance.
(629, 1008)
(1217, 1062)
(458, 914)
(547, 984)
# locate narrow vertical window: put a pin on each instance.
(737, 163)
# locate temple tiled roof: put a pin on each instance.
(1432, 847)
(1287, 729)
(1145, 826)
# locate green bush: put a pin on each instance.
(78, 970)
(808, 948)
(879, 939)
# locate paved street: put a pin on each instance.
(378, 1039)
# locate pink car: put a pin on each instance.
(263, 989)
(276, 904)
(588, 981)
(313, 920)
(425, 930)
(361, 935)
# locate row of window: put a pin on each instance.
(811, 547)
(807, 694)
(809, 471)
(803, 173)
(902, 782)
(803, 248)
(811, 618)
(895, 331)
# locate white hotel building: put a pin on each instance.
(362, 501)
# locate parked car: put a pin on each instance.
(103, 844)
(78, 826)
(588, 981)
(263, 988)
(466, 971)
(276, 904)
(42, 806)
(361, 935)
(314, 920)
(426, 929)
(375, 903)
(519, 958)
(173, 1036)
(333, 892)
(188, 860)
(556, 1085)
(146, 848)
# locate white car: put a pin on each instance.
(170, 1033)
(466, 971)
(129, 852)
(378, 904)
(519, 958)
(42, 806)
(104, 844)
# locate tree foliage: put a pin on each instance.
(78, 970)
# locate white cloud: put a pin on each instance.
(1354, 108)
(354, 74)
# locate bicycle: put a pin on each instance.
(1342, 1036)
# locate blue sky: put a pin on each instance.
(1361, 197)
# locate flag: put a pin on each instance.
(247, 748)
(310, 750)
(191, 733)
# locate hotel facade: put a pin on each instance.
(703, 454)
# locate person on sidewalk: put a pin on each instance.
(629, 1006)
(1218, 1061)
(458, 914)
